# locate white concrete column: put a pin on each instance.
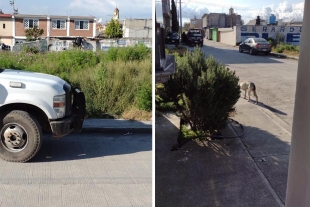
(94, 27)
(68, 27)
(298, 185)
(13, 32)
(48, 26)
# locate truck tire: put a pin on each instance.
(21, 136)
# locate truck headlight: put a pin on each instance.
(59, 105)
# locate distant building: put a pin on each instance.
(6, 28)
(278, 22)
(221, 20)
(116, 14)
(195, 23)
(263, 22)
(137, 28)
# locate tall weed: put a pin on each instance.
(110, 84)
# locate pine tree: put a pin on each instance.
(175, 23)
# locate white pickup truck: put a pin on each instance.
(31, 102)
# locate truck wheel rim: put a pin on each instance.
(14, 137)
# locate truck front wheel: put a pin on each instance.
(21, 136)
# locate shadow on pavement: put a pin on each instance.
(86, 146)
(216, 173)
(272, 109)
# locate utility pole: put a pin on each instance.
(180, 18)
(298, 184)
(15, 11)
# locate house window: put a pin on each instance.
(81, 24)
(58, 24)
(30, 23)
(3, 26)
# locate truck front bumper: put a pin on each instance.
(74, 122)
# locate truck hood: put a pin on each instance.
(33, 81)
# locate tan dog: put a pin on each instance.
(247, 85)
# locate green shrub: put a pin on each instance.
(131, 53)
(279, 50)
(272, 41)
(144, 97)
(28, 49)
(203, 91)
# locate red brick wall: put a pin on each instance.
(19, 27)
(57, 32)
(82, 33)
(20, 30)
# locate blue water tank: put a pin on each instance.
(272, 19)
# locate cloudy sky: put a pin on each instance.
(287, 10)
(98, 8)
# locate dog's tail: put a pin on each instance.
(254, 87)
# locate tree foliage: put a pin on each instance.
(113, 29)
(175, 23)
(34, 33)
(203, 91)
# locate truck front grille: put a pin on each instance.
(67, 89)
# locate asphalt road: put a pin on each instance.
(82, 170)
(275, 78)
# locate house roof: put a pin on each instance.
(53, 16)
(5, 15)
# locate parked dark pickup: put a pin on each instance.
(194, 37)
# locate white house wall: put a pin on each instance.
(228, 36)
(137, 28)
(137, 33)
(291, 34)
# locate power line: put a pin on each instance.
(186, 4)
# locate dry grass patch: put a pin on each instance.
(136, 114)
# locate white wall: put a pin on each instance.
(137, 28)
(291, 34)
(105, 44)
(228, 36)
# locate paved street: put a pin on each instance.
(275, 78)
(86, 169)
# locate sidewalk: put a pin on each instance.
(246, 171)
(116, 125)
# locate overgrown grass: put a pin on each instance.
(287, 48)
(179, 51)
(111, 85)
(280, 47)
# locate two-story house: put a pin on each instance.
(6, 29)
(12, 27)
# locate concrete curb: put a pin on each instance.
(116, 126)
(284, 56)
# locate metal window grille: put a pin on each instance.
(30, 23)
(84, 25)
(58, 24)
